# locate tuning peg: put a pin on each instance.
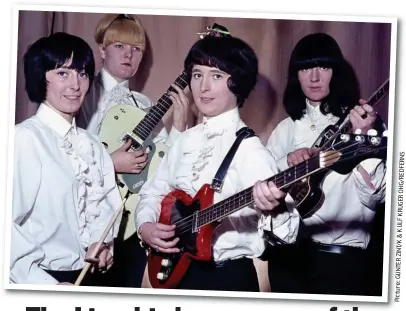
(360, 138)
(372, 132)
(385, 133)
(357, 131)
(345, 137)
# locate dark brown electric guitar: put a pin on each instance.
(307, 192)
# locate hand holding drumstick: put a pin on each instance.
(100, 249)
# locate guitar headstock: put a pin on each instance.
(215, 31)
(348, 150)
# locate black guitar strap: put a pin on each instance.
(218, 179)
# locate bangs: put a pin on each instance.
(205, 60)
(211, 55)
(77, 60)
(325, 62)
(81, 61)
(75, 53)
(124, 31)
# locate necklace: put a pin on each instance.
(313, 111)
(313, 125)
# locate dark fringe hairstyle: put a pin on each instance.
(52, 52)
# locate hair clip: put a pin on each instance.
(215, 31)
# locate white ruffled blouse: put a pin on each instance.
(63, 198)
(194, 160)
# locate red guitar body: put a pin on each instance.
(167, 270)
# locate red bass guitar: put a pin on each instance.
(196, 218)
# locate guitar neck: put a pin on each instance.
(156, 113)
(373, 101)
(244, 198)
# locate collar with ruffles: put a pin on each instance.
(80, 150)
(314, 113)
(201, 149)
(109, 82)
(114, 93)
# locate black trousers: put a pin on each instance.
(305, 268)
(130, 260)
(232, 275)
(90, 279)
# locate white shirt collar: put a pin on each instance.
(54, 120)
(223, 120)
(109, 82)
(311, 110)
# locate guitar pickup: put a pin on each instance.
(135, 145)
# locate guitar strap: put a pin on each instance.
(218, 179)
(133, 98)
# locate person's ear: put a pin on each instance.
(102, 51)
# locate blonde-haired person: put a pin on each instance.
(121, 41)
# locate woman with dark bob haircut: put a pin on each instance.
(52, 52)
(230, 55)
(222, 73)
(64, 192)
(321, 50)
(322, 88)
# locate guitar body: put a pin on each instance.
(116, 129)
(308, 195)
(194, 244)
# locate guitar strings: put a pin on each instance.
(187, 220)
(185, 224)
(146, 125)
(376, 98)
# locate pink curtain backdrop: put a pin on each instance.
(169, 38)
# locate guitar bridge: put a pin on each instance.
(135, 145)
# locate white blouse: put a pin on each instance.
(194, 160)
(64, 196)
(118, 93)
(349, 205)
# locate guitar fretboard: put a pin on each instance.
(376, 97)
(156, 113)
(244, 198)
(373, 100)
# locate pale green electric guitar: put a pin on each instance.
(124, 122)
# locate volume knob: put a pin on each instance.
(161, 276)
(166, 263)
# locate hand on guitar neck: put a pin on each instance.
(127, 161)
(362, 117)
(180, 107)
(267, 196)
(301, 155)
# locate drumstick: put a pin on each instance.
(100, 243)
